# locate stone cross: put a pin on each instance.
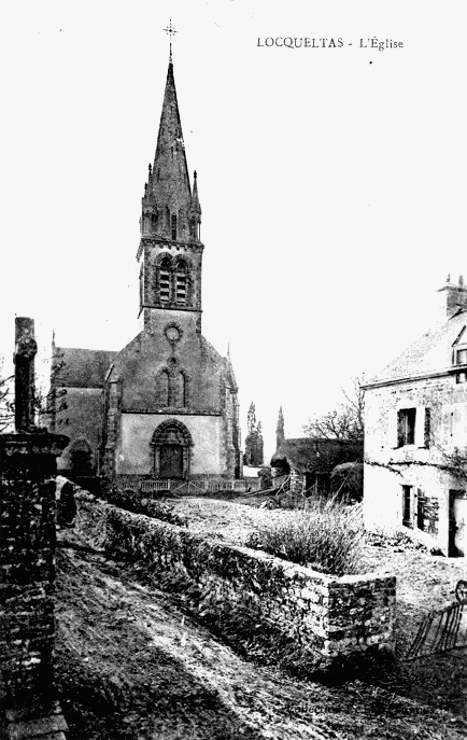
(170, 31)
(25, 351)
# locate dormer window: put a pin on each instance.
(460, 356)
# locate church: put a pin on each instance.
(166, 405)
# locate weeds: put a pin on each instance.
(324, 535)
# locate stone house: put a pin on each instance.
(166, 405)
(416, 435)
(310, 461)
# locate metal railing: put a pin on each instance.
(442, 629)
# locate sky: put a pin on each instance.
(331, 179)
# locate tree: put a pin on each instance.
(7, 409)
(254, 440)
(50, 403)
(346, 421)
(280, 429)
(46, 405)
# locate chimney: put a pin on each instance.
(455, 296)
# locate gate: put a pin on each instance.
(443, 629)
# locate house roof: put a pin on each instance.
(82, 368)
(314, 455)
(429, 355)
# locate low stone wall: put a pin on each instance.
(304, 616)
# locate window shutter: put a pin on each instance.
(394, 428)
(447, 414)
(427, 427)
(420, 426)
(459, 435)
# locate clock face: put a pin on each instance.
(172, 333)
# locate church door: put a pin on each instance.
(171, 461)
(171, 444)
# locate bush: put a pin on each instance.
(325, 536)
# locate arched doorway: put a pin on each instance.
(171, 443)
(81, 457)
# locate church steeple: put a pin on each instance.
(170, 250)
(170, 210)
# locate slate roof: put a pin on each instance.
(82, 368)
(308, 454)
(431, 354)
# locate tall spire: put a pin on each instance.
(170, 250)
(170, 210)
(170, 168)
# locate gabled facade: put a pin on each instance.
(416, 435)
(168, 400)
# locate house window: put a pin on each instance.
(406, 427)
(164, 281)
(461, 377)
(407, 506)
(461, 356)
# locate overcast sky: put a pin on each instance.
(332, 180)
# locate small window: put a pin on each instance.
(407, 506)
(461, 377)
(164, 281)
(406, 427)
(461, 356)
(178, 390)
(162, 389)
(174, 226)
(181, 282)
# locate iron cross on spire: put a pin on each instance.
(170, 31)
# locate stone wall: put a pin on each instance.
(321, 620)
(83, 407)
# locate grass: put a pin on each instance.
(324, 535)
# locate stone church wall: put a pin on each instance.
(80, 420)
(322, 621)
(135, 452)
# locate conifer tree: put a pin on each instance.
(280, 430)
(254, 446)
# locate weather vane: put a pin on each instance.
(170, 31)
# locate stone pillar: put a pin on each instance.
(25, 352)
(27, 574)
(28, 469)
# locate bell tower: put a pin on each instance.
(170, 251)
